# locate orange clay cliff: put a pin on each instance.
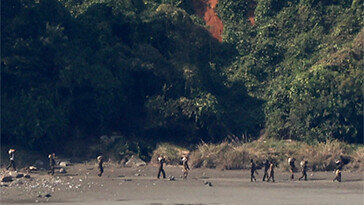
(206, 10)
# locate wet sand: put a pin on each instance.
(120, 185)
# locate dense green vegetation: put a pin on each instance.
(73, 70)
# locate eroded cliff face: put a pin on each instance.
(206, 10)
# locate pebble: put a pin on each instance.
(171, 178)
(207, 183)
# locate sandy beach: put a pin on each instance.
(139, 185)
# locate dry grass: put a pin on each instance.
(320, 156)
(224, 155)
(171, 152)
(357, 161)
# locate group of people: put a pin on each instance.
(162, 161)
(292, 166)
(269, 170)
(267, 165)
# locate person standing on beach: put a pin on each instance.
(339, 166)
(266, 167)
(185, 166)
(292, 168)
(100, 161)
(161, 160)
(12, 159)
(52, 163)
(253, 169)
(271, 172)
(304, 170)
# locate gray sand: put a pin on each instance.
(140, 186)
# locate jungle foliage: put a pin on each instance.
(73, 70)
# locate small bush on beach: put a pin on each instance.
(224, 155)
(322, 156)
(172, 153)
(357, 161)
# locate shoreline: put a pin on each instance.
(139, 185)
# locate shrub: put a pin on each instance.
(320, 156)
(172, 153)
(357, 160)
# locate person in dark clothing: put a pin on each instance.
(304, 170)
(100, 161)
(253, 169)
(271, 172)
(266, 167)
(161, 160)
(339, 166)
(291, 161)
(185, 167)
(52, 163)
(12, 159)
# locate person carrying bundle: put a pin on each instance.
(339, 166)
(271, 171)
(253, 169)
(52, 163)
(304, 170)
(292, 166)
(185, 166)
(161, 160)
(100, 161)
(12, 159)
(266, 167)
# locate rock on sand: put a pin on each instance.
(135, 161)
(6, 179)
(64, 164)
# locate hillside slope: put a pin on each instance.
(150, 71)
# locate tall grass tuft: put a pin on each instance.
(320, 156)
(357, 160)
(172, 153)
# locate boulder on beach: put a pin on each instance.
(64, 164)
(32, 169)
(19, 175)
(172, 178)
(135, 161)
(6, 179)
(207, 183)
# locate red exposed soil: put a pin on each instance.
(251, 5)
(205, 9)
